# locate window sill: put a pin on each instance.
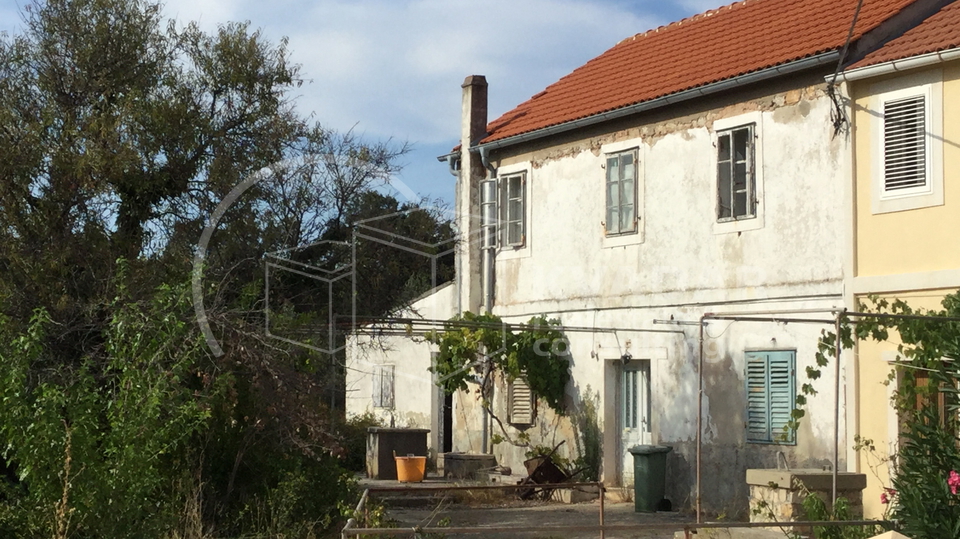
(907, 202)
(512, 253)
(622, 240)
(738, 225)
(776, 442)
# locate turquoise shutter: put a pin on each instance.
(770, 381)
(781, 393)
(758, 408)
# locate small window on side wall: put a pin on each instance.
(383, 386)
(736, 177)
(513, 189)
(621, 193)
(770, 381)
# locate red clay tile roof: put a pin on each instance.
(939, 32)
(720, 44)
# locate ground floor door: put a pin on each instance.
(634, 406)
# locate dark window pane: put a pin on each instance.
(740, 177)
(740, 143)
(739, 204)
(723, 148)
(514, 187)
(723, 191)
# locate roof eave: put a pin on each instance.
(671, 99)
(900, 65)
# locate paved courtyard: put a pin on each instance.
(541, 516)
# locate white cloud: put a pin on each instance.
(393, 68)
(699, 6)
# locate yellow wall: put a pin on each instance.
(926, 239)
(877, 421)
(902, 242)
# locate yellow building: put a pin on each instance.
(906, 216)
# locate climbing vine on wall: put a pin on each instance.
(826, 351)
(480, 346)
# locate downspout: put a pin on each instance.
(700, 414)
(453, 165)
(489, 253)
(489, 245)
(836, 410)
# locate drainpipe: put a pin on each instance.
(836, 408)
(488, 241)
(700, 414)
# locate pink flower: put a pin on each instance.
(884, 499)
(953, 481)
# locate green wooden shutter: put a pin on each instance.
(758, 407)
(781, 393)
(770, 381)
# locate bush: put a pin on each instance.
(925, 504)
(353, 433)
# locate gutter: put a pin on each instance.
(685, 95)
(896, 66)
(453, 162)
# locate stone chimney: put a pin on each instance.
(473, 122)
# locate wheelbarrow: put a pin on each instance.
(542, 470)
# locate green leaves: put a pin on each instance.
(96, 442)
(538, 353)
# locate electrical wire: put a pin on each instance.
(838, 115)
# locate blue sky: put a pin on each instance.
(393, 68)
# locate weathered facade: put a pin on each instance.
(679, 264)
(685, 211)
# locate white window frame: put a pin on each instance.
(509, 213)
(510, 252)
(753, 120)
(633, 154)
(636, 236)
(929, 86)
(384, 378)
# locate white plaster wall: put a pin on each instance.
(411, 358)
(683, 265)
(682, 259)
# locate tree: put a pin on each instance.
(120, 135)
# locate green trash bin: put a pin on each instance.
(649, 476)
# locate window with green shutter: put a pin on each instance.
(770, 381)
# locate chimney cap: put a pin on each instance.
(474, 80)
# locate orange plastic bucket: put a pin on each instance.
(410, 469)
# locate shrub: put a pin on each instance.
(353, 433)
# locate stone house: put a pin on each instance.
(686, 195)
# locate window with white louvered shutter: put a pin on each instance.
(521, 403)
(770, 384)
(905, 123)
(905, 144)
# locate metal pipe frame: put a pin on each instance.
(687, 528)
(513, 326)
(773, 318)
